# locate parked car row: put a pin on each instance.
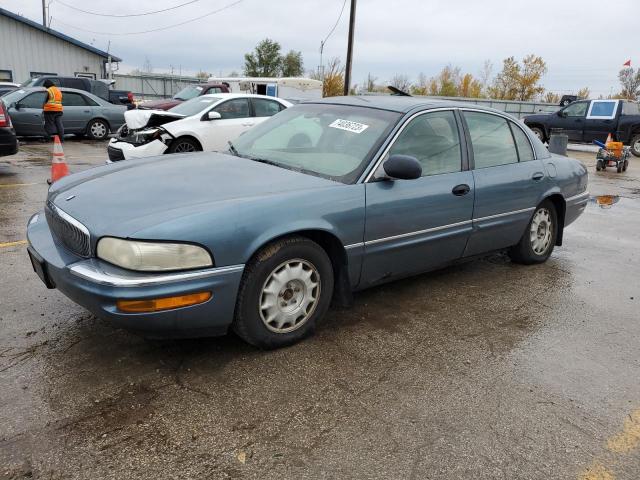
(322, 199)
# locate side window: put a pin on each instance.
(433, 139)
(491, 140)
(35, 100)
(525, 152)
(577, 109)
(71, 99)
(603, 109)
(213, 90)
(236, 108)
(265, 108)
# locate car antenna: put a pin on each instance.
(398, 92)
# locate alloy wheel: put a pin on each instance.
(98, 130)
(289, 296)
(184, 147)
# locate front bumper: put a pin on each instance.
(119, 150)
(97, 285)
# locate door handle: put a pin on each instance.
(248, 124)
(537, 176)
(460, 190)
(87, 111)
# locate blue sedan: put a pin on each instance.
(321, 200)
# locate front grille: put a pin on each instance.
(115, 154)
(68, 230)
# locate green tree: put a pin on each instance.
(264, 61)
(292, 65)
(519, 81)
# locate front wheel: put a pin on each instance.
(285, 290)
(539, 238)
(539, 133)
(184, 145)
(97, 129)
(635, 145)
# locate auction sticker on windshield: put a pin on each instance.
(349, 126)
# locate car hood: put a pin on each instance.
(136, 119)
(165, 104)
(121, 199)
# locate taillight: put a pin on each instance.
(5, 120)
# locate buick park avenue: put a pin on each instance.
(321, 200)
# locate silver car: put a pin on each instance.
(84, 113)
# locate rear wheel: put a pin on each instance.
(539, 238)
(599, 165)
(635, 145)
(539, 133)
(625, 166)
(97, 129)
(285, 290)
(184, 145)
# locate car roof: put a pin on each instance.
(223, 96)
(399, 103)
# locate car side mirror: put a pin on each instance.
(214, 116)
(562, 114)
(14, 105)
(402, 167)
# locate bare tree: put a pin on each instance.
(370, 83)
(401, 82)
(630, 80)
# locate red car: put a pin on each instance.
(187, 93)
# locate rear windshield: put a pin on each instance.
(194, 106)
(188, 93)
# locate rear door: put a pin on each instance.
(509, 181)
(28, 119)
(263, 109)
(417, 225)
(601, 119)
(235, 119)
(76, 112)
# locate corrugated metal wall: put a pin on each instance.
(150, 86)
(24, 49)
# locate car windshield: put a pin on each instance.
(194, 106)
(29, 83)
(330, 141)
(187, 93)
(12, 97)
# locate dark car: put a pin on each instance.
(187, 93)
(98, 87)
(320, 200)
(8, 140)
(584, 121)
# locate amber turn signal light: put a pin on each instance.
(159, 304)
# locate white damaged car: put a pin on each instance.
(205, 123)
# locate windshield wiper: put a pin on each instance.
(232, 149)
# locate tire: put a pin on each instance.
(98, 129)
(598, 165)
(532, 247)
(184, 145)
(625, 166)
(635, 145)
(272, 312)
(619, 167)
(539, 133)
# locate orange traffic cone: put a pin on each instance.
(609, 139)
(59, 167)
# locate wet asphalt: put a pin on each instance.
(482, 370)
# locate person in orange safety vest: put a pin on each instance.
(52, 109)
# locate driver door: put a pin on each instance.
(571, 120)
(235, 118)
(417, 225)
(28, 119)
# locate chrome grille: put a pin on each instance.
(68, 230)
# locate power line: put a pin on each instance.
(336, 24)
(113, 34)
(126, 15)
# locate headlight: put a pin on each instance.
(152, 257)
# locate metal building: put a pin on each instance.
(27, 49)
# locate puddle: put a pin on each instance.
(605, 201)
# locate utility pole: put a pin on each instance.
(347, 70)
(44, 14)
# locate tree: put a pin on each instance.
(421, 87)
(446, 82)
(264, 61)
(551, 97)
(469, 87)
(630, 80)
(370, 83)
(333, 84)
(584, 92)
(519, 82)
(401, 82)
(291, 64)
(202, 76)
(485, 75)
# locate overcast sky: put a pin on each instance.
(584, 42)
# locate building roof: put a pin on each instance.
(61, 36)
